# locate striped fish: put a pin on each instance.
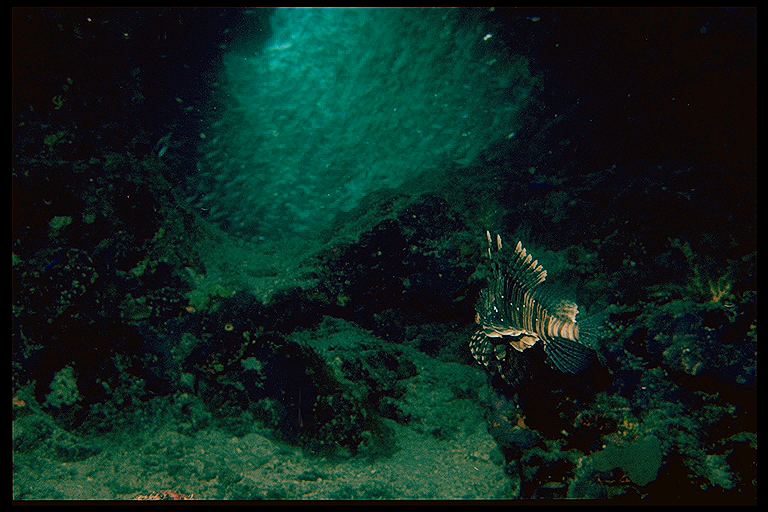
(514, 316)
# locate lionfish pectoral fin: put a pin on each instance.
(566, 355)
(481, 347)
(523, 343)
(592, 331)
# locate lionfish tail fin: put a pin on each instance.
(592, 333)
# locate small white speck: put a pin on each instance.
(487, 37)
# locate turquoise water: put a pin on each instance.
(339, 103)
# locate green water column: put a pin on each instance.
(342, 102)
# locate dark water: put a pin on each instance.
(248, 246)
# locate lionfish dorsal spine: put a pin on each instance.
(525, 271)
(513, 288)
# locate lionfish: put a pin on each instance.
(513, 316)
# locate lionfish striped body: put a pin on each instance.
(512, 314)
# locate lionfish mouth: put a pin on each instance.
(512, 313)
